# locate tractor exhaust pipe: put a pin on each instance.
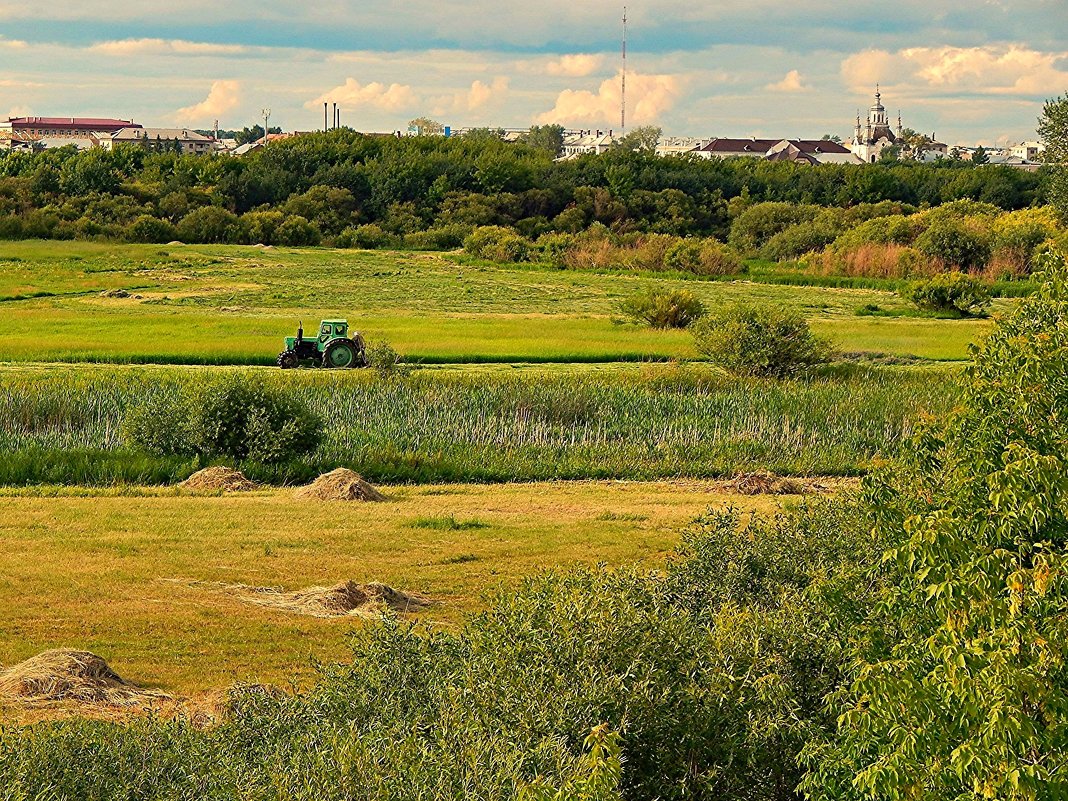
(300, 331)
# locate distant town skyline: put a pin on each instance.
(763, 68)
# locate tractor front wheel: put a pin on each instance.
(287, 360)
(341, 353)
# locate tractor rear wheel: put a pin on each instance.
(341, 353)
(287, 360)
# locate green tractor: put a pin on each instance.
(332, 348)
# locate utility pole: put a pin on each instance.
(266, 116)
(623, 92)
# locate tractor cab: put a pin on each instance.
(331, 347)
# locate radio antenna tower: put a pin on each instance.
(623, 93)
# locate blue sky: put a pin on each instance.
(975, 73)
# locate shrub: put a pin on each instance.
(956, 292)
(663, 308)
(446, 237)
(262, 225)
(553, 248)
(497, 243)
(961, 243)
(366, 237)
(759, 341)
(759, 223)
(234, 419)
(150, 229)
(297, 231)
(211, 225)
(383, 358)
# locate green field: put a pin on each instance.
(233, 305)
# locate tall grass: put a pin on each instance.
(654, 422)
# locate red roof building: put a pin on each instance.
(35, 127)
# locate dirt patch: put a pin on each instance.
(215, 479)
(764, 483)
(350, 598)
(339, 485)
(65, 675)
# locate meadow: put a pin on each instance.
(232, 305)
(113, 572)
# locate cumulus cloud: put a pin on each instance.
(223, 97)
(987, 70)
(793, 82)
(13, 44)
(157, 47)
(352, 94)
(648, 96)
(480, 94)
(575, 65)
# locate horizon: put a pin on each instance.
(769, 69)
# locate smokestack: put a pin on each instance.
(335, 115)
(326, 125)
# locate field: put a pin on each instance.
(232, 305)
(538, 431)
(111, 572)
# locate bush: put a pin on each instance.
(759, 223)
(297, 231)
(234, 419)
(960, 243)
(365, 237)
(554, 248)
(663, 308)
(759, 341)
(150, 229)
(446, 237)
(954, 292)
(211, 225)
(383, 358)
(496, 243)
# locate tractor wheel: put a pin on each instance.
(341, 353)
(287, 360)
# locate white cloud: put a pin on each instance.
(575, 65)
(792, 82)
(989, 70)
(14, 44)
(648, 96)
(223, 97)
(352, 94)
(157, 47)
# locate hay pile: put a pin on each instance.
(65, 675)
(219, 478)
(764, 483)
(339, 485)
(347, 599)
(114, 293)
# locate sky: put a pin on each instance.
(970, 73)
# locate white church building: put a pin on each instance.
(871, 140)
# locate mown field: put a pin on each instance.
(111, 572)
(233, 305)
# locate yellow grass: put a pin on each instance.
(114, 574)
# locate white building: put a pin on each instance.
(583, 142)
(1027, 151)
(871, 140)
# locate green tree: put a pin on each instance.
(1053, 133)
(642, 139)
(980, 156)
(959, 686)
(425, 126)
(549, 138)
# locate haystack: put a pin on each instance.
(347, 599)
(339, 485)
(65, 675)
(764, 483)
(219, 478)
(114, 293)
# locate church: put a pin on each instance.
(869, 141)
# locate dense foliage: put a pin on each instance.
(426, 191)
